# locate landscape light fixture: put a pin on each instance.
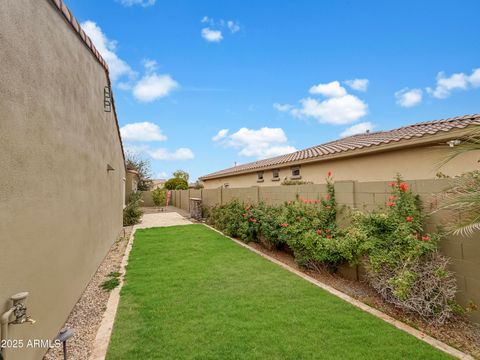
(63, 336)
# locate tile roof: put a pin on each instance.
(356, 142)
(67, 14)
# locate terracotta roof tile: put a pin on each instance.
(356, 142)
(67, 14)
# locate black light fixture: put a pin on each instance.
(107, 99)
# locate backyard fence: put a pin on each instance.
(366, 196)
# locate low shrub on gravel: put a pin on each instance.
(132, 213)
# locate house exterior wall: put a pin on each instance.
(60, 209)
(411, 163)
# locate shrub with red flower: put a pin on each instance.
(402, 262)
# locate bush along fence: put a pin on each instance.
(380, 229)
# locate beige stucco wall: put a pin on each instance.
(60, 209)
(411, 163)
(131, 184)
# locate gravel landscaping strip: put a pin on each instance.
(87, 314)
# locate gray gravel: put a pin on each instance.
(87, 314)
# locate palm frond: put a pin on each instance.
(469, 142)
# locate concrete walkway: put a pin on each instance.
(160, 219)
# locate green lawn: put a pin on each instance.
(191, 293)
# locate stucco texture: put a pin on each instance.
(412, 163)
(60, 208)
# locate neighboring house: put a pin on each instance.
(413, 151)
(131, 183)
(62, 176)
(158, 183)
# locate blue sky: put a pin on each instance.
(278, 75)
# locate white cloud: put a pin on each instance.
(144, 3)
(339, 108)
(358, 84)
(153, 86)
(142, 131)
(445, 85)
(117, 67)
(220, 135)
(282, 107)
(214, 30)
(360, 128)
(409, 97)
(458, 81)
(233, 26)
(150, 65)
(212, 35)
(336, 110)
(331, 89)
(162, 175)
(475, 78)
(262, 143)
(179, 154)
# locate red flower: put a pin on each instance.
(329, 236)
(409, 218)
(390, 204)
(253, 220)
(319, 232)
(392, 198)
(329, 174)
(403, 186)
(284, 225)
(392, 184)
(327, 197)
(425, 238)
(328, 206)
(328, 231)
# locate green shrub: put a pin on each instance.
(228, 218)
(132, 212)
(401, 260)
(159, 197)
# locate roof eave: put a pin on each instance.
(393, 145)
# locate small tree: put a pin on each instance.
(159, 197)
(181, 174)
(176, 184)
(142, 167)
